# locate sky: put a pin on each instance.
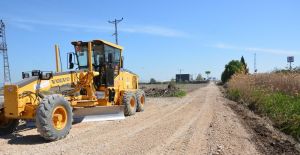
(160, 38)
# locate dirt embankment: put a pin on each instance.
(268, 139)
(199, 123)
(169, 90)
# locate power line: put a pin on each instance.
(115, 22)
(3, 50)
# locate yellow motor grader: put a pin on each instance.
(97, 89)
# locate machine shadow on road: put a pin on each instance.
(19, 139)
(26, 140)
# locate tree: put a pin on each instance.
(245, 65)
(232, 68)
(199, 77)
(207, 73)
(152, 81)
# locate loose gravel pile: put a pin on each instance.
(169, 91)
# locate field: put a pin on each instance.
(274, 95)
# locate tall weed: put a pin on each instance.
(275, 95)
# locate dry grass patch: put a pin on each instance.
(275, 95)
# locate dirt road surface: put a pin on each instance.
(199, 123)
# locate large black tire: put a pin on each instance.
(141, 99)
(47, 124)
(7, 126)
(130, 103)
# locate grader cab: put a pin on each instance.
(96, 87)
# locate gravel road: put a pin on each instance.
(199, 123)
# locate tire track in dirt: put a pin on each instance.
(162, 123)
(178, 143)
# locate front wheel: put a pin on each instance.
(54, 117)
(7, 125)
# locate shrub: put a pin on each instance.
(152, 81)
(232, 68)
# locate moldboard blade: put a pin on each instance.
(99, 113)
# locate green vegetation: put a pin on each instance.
(271, 95)
(174, 91)
(231, 68)
(246, 69)
(178, 93)
(234, 67)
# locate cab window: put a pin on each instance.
(98, 55)
(116, 53)
(82, 57)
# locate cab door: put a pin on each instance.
(113, 64)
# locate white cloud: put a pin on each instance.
(255, 49)
(140, 29)
(24, 26)
(155, 30)
(59, 24)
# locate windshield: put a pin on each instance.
(100, 56)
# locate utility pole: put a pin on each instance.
(115, 22)
(3, 50)
(255, 69)
(290, 59)
(180, 78)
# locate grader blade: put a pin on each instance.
(99, 113)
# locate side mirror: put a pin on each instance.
(25, 75)
(46, 75)
(70, 57)
(70, 61)
(71, 65)
(110, 58)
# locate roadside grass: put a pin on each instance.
(267, 95)
(178, 93)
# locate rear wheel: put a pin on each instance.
(141, 98)
(129, 101)
(7, 125)
(54, 117)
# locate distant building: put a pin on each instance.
(183, 77)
